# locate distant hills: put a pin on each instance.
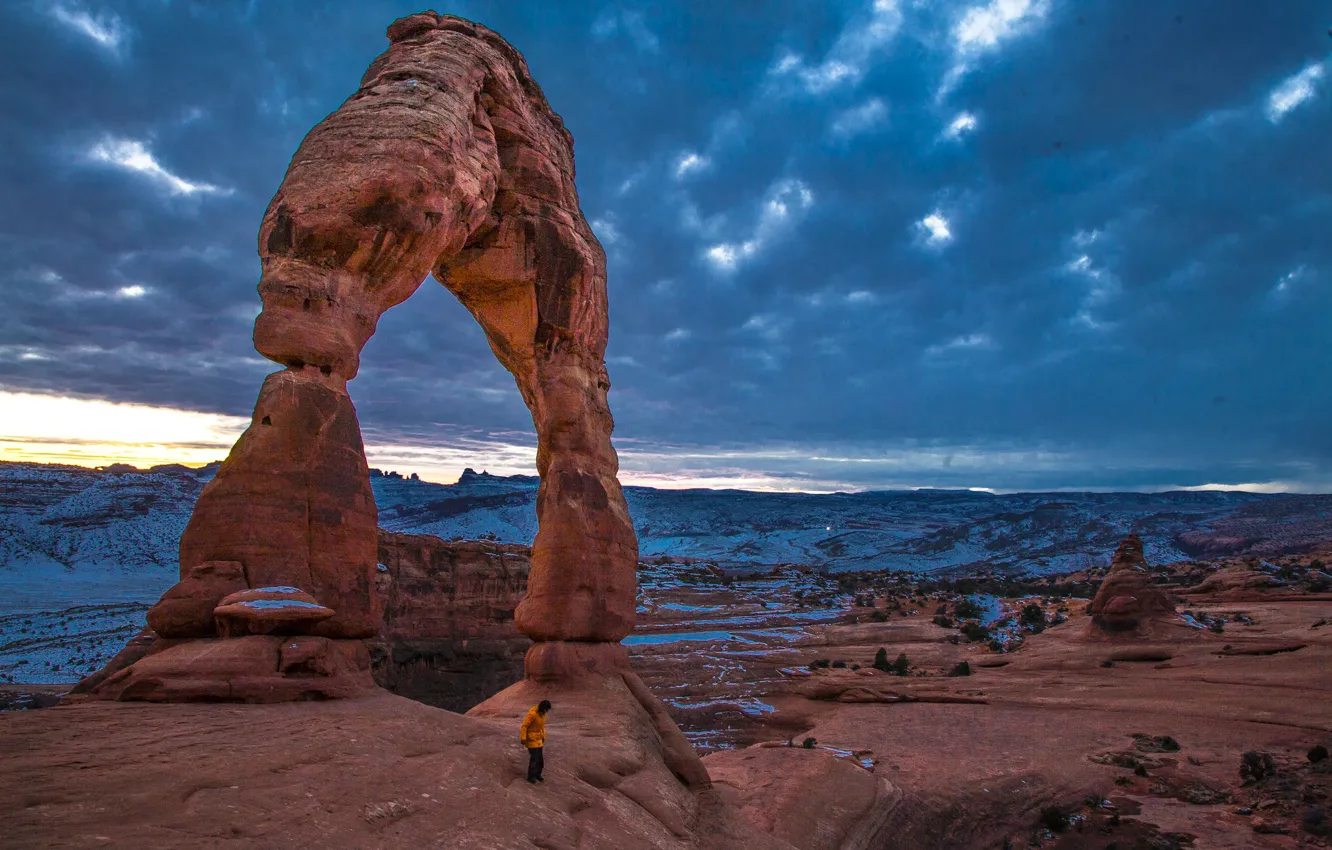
(85, 521)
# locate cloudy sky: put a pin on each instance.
(1013, 244)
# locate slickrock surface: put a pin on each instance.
(1128, 599)
(449, 638)
(378, 771)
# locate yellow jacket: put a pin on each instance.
(533, 731)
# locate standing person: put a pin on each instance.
(533, 735)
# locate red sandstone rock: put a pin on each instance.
(292, 502)
(1240, 577)
(138, 646)
(257, 668)
(448, 637)
(448, 159)
(268, 610)
(1128, 599)
(470, 175)
(186, 610)
(810, 798)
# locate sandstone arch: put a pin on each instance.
(448, 159)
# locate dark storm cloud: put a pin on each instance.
(1111, 271)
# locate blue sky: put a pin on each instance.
(1013, 244)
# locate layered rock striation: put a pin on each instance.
(1128, 600)
(448, 638)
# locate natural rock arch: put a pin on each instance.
(448, 159)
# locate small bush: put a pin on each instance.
(1109, 662)
(943, 622)
(1123, 780)
(975, 632)
(819, 663)
(1054, 818)
(1255, 766)
(901, 666)
(1317, 754)
(809, 743)
(1139, 770)
(996, 646)
(1095, 800)
(962, 668)
(881, 660)
(967, 609)
(839, 664)
(855, 666)
(1315, 822)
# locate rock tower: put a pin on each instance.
(1128, 601)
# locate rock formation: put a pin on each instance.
(1237, 582)
(448, 637)
(1128, 600)
(447, 159)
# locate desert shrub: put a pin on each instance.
(839, 664)
(809, 743)
(1095, 800)
(967, 609)
(943, 622)
(1217, 626)
(901, 665)
(1123, 780)
(1317, 754)
(1054, 818)
(962, 668)
(975, 632)
(1255, 766)
(996, 646)
(1315, 822)
(879, 616)
(1139, 770)
(1155, 743)
(1032, 613)
(881, 660)
(1109, 662)
(818, 663)
(855, 666)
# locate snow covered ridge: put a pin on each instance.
(129, 522)
(927, 531)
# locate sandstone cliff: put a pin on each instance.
(449, 637)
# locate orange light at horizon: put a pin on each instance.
(89, 432)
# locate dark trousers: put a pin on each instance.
(536, 762)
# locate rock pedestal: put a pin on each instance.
(1127, 600)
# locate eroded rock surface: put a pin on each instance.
(1128, 600)
(449, 638)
